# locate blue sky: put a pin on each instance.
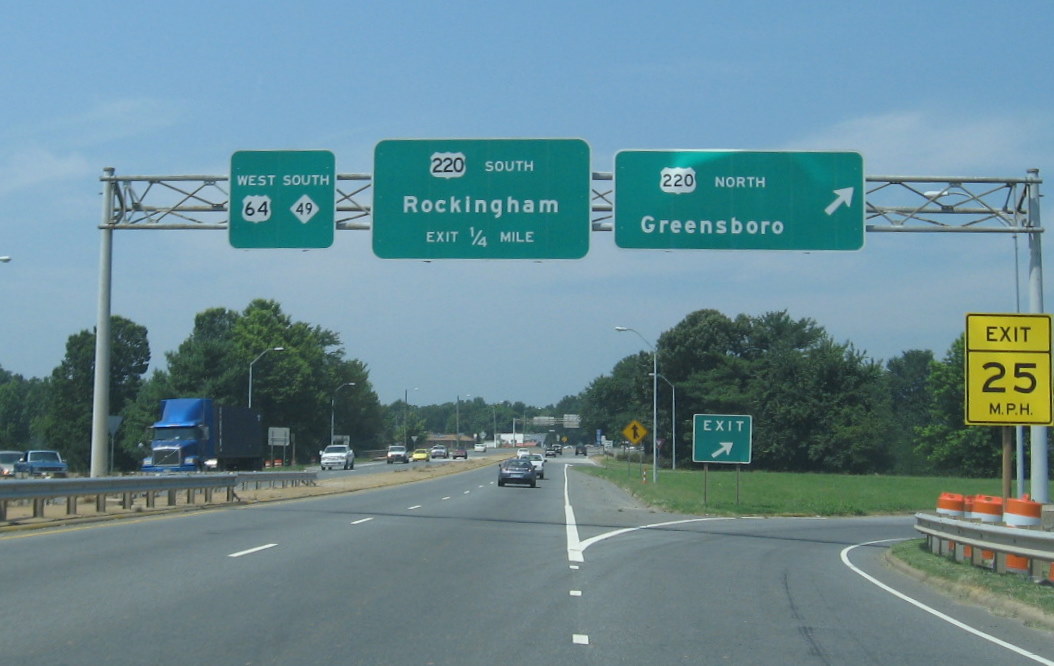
(934, 88)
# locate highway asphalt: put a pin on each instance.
(456, 570)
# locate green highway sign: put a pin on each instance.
(282, 198)
(739, 200)
(481, 199)
(721, 438)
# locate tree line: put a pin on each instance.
(817, 405)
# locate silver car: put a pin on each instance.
(7, 463)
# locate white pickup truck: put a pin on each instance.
(337, 455)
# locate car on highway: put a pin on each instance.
(7, 463)
(337, 455)
(517, 470)
(459, 453)
(523, 453)
(480, 448)
(398, 453)
(538, 460)
(42, 463)
(554, 450)
(439, 451)
(419, 454)
(580, 450)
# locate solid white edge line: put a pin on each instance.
(933, 611)
(252, 550)
(574, 546)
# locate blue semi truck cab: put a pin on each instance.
(196, 434)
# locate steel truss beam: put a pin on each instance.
(893, 203)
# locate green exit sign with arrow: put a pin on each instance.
(722, 438)
(739, 200)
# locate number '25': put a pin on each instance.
(1022, 372)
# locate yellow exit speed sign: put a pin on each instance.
(1008, 369)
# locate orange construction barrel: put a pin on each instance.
(988, 509)
(1026, 514)
(951, 505)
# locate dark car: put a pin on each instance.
(459, 453)
(554, 450)
(581, 450)
(517, 470)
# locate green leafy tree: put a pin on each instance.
(66, 421)
(945, 441)
(907, 378)
(21, 403)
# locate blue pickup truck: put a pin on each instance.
(41, 463)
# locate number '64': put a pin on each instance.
(1024, 381)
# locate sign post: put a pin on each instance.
(481, 199)
(1008, 376)
(282, 198)
(739, 200)
(721, 438)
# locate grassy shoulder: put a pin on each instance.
(724, 491)
(1017, 595)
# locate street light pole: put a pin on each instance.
(406, 406)
(457, 421)
(654, 401)
(673, 423)
(277, 349)
(332, 409)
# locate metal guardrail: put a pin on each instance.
(42, 491)
(987, 545)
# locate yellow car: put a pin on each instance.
(419, 454)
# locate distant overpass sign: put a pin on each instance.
(481, 199)
(739, 200)
(1008, 369)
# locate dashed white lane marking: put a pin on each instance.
(576, 593)
(932, 611)
(252, 550)
(580, 639)
(361, 521)
(445, 498)
(467, 492)
(415, 506)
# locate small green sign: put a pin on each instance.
(721, 438)
(282, 198)
(739, 200)
(481, 199)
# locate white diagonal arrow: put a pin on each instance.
(845, 196)
(725, 449)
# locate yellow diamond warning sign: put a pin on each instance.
(635, 432)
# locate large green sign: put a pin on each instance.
(481, 199)
(721, 438)
(282, 198)
(738, 200)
